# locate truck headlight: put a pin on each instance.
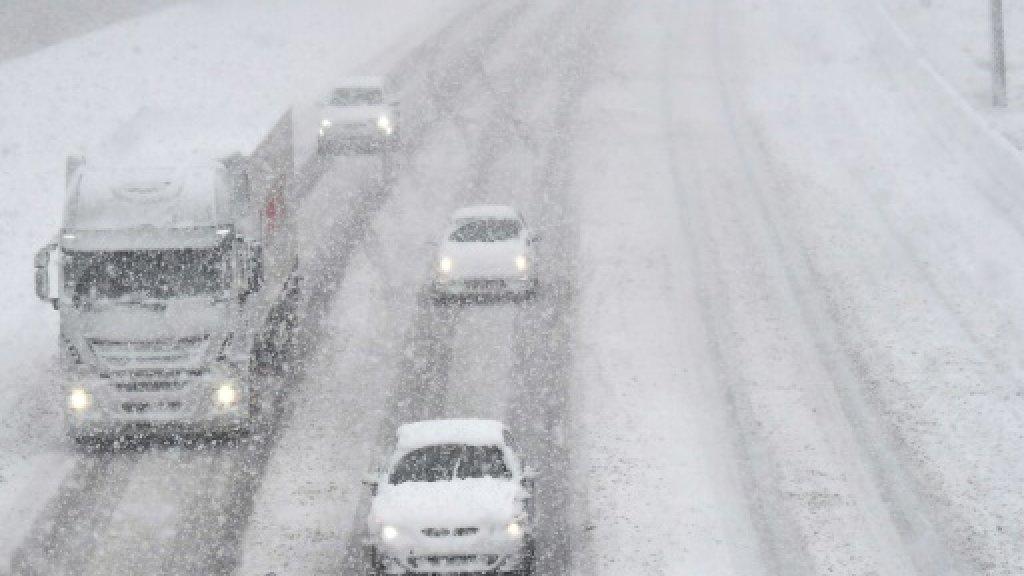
(514, 529)
(445, 265)
(78, 400)
(389, 532)
(521, 263)
(384, 124)
(227, 394)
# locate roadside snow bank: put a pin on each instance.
(955, 38)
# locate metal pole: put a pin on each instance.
(998, 56)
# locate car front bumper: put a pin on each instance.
(357, 138)
(490, 286)
(498, 557)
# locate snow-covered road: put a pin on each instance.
(780, 329)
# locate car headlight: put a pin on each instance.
(325, 123)
(445, 265)
(78, 400)
(389, 532)
(384, 123)
(521, 263)
(514, 529)
(227, 394)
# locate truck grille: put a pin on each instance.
(149, 384)
(443, 532)
(142, 407)
(169, 351)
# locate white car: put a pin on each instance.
(487, 250)
(455, 497)
(357, 116)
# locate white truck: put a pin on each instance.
(175, 274)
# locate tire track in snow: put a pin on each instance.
(882, 491)
(540, 407)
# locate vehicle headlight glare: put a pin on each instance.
(227, 394)
(384, 123)
(514, 529)
(325, 123)
(521, 263)
(445, 265)
(389, 532)
(78, 399)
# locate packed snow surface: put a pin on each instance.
(781, 324)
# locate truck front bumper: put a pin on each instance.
(132, 403)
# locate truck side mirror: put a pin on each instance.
(255, 267)
(41, 263)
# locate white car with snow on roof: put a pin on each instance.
(358, 117)
(454, 497)
(486, 250)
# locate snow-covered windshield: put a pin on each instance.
(145, 274)
(357, 97)
(445, 462)
(486, 231)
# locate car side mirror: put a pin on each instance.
(535, 237)
(529, 476)
(371, 479)
(41, 262)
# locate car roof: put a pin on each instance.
(470, 431)
(486, 211)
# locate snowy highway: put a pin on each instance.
(779, 329)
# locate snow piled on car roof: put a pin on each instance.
(475, 432)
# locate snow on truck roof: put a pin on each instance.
(189, 196)
(451, 431)
(486, 211)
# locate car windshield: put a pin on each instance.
(357, 97)
(486, 230)
(144, 274)
(445, 462)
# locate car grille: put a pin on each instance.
(485, 284)
(443, 532)
(474, 561)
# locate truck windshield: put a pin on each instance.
(145, 274)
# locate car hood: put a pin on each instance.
(354, 113)
(470, 502)
(471, 259)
